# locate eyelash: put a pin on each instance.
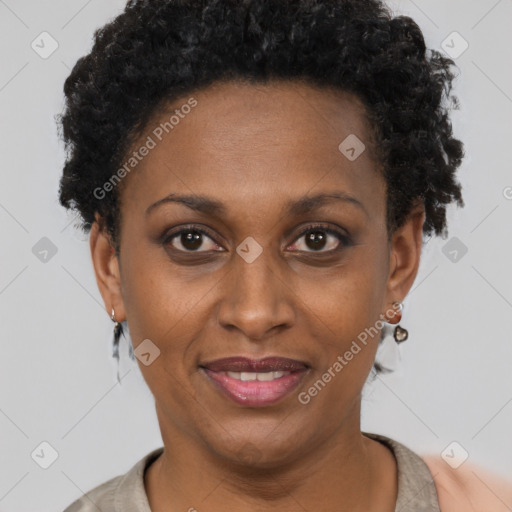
(343, 239)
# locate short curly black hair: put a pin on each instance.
(158, 50)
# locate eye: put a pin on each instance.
(191, 239)
(319, 237)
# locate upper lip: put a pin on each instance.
(244, 364)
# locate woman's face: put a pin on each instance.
(252, 284)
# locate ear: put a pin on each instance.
(106, 269)
(404, 261)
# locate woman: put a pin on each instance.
(256, 177)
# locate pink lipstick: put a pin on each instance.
(255, 383)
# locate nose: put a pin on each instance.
(256, 298)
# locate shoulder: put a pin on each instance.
(101, 497)
(119, 493)
(469, 487)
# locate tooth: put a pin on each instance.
(260, 376)
(245, 376)
(265, 376)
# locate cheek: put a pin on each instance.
(155, 294)
(343, 313)
(346, 299)
(346, 313)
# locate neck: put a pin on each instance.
(345, 473)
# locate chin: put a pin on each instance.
(258, 448)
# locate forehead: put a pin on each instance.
(229, 113)
(245, 141)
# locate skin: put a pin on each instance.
(255, 147)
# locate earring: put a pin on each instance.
(399, 334)
(118, 331)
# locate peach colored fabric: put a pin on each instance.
(469, 488)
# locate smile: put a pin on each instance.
(255, 382)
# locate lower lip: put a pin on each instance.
(255, 393)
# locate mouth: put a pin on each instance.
(255, 383)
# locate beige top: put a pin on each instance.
(416, 487)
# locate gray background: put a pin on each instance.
(58, 380)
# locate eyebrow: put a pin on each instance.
(296, 207)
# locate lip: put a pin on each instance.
(255, 393)
(244, 364)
